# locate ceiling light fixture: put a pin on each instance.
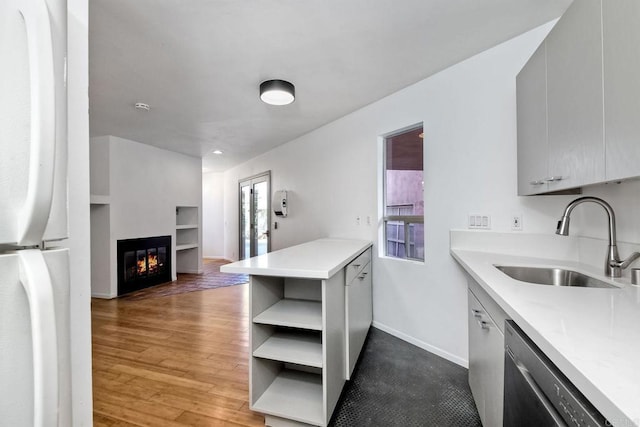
(142, 106)
(277, 92)
(217, 152)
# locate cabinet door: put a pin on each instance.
(476, 361)
(358, 315)
(486, 364)
(574, 97)
(531, 87)
(622, 87)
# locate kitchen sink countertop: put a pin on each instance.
(591, 334)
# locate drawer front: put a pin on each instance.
(356, 266)
(492, 308)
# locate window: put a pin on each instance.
(404, 194)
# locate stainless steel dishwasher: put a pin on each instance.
(536, 393)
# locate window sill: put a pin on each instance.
(410, 261)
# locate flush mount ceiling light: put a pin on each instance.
(141, 106)
(277, 92)
(217, 152)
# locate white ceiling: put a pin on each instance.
(198, 63)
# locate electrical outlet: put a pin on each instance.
(358, 220)
(516, 222)
(369, 220)
(479, 221)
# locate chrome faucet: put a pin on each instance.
(613, 265)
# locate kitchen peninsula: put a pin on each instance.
(310, 308)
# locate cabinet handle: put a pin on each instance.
(484, 325)
(364, 274)
(555, 178)
(355, 265)
(476, 313)
(539, 182)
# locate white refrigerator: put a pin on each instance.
(35, 365)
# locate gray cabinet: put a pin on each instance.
(622, 87)
(533, 149)
(561, 143)
(486, 355)
(358, 308)
(574, 98)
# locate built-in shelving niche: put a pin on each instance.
(187, 239)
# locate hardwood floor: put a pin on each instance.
(177, 360)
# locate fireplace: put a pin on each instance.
(143, 262)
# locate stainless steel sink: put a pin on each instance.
(552, 277)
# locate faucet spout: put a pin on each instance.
(613, 265)
(563, 224)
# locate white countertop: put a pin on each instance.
(319, 259)
(592, 335)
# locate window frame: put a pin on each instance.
(406, 220)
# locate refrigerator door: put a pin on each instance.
(32, 121)
(34, 339)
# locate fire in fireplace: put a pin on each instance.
(143, 262)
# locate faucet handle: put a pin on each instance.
(627, 262)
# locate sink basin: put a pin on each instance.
(552, 277)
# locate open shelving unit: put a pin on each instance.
(293, 347)
(297, 364)
(187, 239)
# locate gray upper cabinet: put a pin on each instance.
(621, 20)
(592, 100)
(533, 152)
(574, 98)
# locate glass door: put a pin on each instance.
(255, 215)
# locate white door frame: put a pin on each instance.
(252, 181)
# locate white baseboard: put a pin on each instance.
(102, 296)
(423, 345)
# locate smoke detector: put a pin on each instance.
(142, 106)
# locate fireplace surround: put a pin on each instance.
(143, 262)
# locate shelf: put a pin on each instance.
(186, 226)
(187, 246)
(99, 200)
(293, 313)
(186, 215)
(302, 348)
(293, 395)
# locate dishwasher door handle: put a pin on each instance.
(539, 394)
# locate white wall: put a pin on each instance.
(78, 242)
(213, 215)
(145, 186)
(469, 117)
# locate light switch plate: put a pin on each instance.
(479, 221)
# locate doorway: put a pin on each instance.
(255, 215)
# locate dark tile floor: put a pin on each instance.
(398, 384)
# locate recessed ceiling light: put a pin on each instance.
(142, 106)
(277, 92)
(217, 152)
